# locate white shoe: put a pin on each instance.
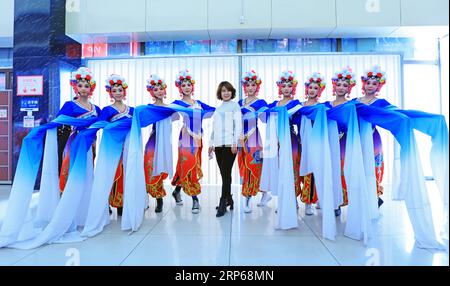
(247, 208)
(309, 210)
(266, 197)
(318, 206)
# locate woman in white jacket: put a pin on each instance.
(227, 130)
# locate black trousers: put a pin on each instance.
(225, 160)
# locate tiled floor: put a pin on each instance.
(178, 237)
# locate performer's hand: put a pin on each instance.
(234, 149)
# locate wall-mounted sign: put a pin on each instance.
(28, 121)
(30, 85)
(94, 50)
(29, 104)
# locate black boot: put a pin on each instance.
(177, 196)
(221, 210)
(159, 205)
(230, 203)
(380, 202)
(119, 211)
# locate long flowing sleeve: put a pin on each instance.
(237, 124)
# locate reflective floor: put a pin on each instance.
(178, 237)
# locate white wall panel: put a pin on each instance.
(368, 18)
(297, 19)
(177, 20)
(99, 22)
(160, 20)
(224, 19)
(421, 13)
(420, 18)
(6, 23)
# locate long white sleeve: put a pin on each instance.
(237, 118)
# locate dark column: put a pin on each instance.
(40, 48)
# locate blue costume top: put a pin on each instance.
(112, 114)
(342, 128)
(291, 104)
(378, 102)
(251, 122)
(75, 109)
(195, 128)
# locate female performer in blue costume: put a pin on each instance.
(56, 214)
(281, 162)
(314, 87)
(287, 86)
(116, 86)
(372, 82)
(410, 185)
(83, 85)
(250, 151)
(189, 168)
(343, 83)
(154, 183)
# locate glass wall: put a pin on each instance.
(204, 47)
(266, 46)
(223, 47)
(6, 57)
(412, 48)
(158, 48)
(422, 49)
(2, 81)
(290, 46)
(312, 45)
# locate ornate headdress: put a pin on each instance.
(287, 77)
(82, 74)
(251, 76)
(153, 81)
(374, 73)
(345, 74)
(184, 75)
(317, 78)
(113, 80)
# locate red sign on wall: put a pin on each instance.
(95, 50)
(30, 85)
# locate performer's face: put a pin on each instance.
(313, 90)
(84, 88)
(186, 88)
(158, 92)
(286, 89)
(341, 87)
(371, 86)
(117, 92)
(251, 88)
